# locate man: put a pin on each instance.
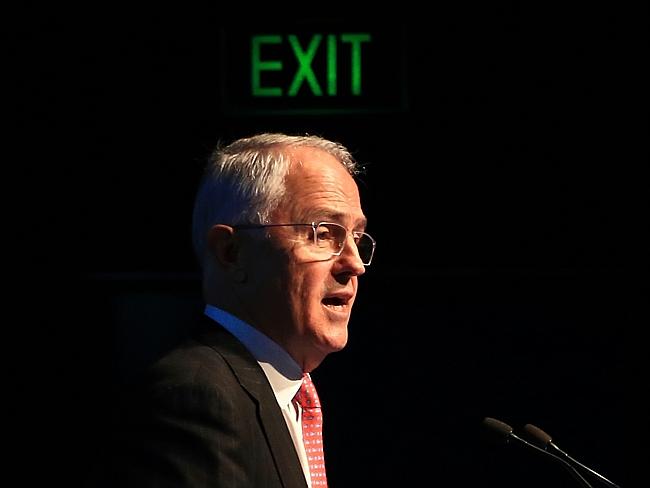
(280, 235)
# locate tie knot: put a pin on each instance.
(307, 396)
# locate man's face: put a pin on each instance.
(297, 296)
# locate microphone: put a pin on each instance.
(537, 435)
(505, 432)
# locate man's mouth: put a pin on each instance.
(339, 302)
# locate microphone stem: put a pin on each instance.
(579, 478)
(578, 463)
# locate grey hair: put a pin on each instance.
(244, 181)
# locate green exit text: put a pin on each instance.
(304, 55)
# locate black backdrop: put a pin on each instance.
(500, 285)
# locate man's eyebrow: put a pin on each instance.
(363, 222)
(337, 217)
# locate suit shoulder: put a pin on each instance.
(189, 363)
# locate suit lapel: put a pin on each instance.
(254, 381)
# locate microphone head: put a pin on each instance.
(501, 429)
(537, 435)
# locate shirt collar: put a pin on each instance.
(282, 371)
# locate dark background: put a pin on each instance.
(499, 200)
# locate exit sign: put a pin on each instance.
(313, 69)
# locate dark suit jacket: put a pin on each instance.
(204, 416)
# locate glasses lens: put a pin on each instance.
(365, 246)
(330, 237)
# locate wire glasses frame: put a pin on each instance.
(331, 237)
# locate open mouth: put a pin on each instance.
(335, 303)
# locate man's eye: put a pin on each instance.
(324, 233)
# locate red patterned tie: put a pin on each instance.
(312, 434)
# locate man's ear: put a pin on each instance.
(223, 245)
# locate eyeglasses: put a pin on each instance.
(329, 238)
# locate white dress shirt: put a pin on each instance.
(283, 373)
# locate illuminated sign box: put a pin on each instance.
(313, 69)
